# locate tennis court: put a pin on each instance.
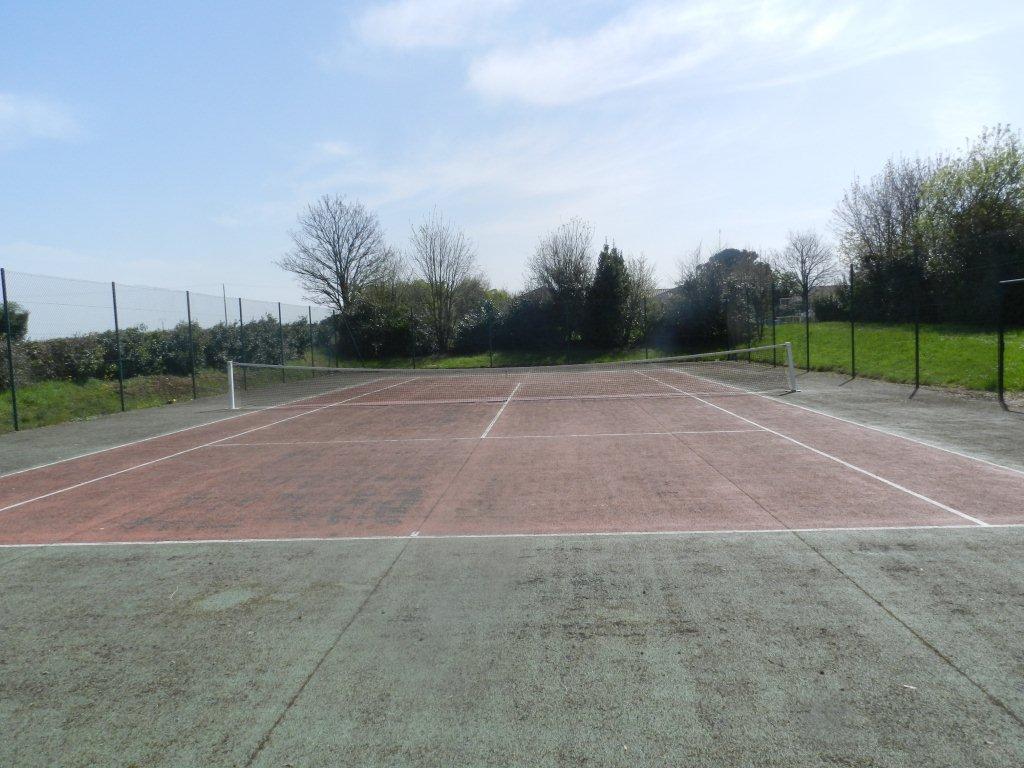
(553, 524)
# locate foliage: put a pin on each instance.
(936, 236)
(726, 299)
(607, 300)
(831, 306)
(18, 321)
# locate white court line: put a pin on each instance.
(836, 459)
(247, 412)
(494, 437)
(501, 411)
(883, 431)
(456, 536)
(188, 450)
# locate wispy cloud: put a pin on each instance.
(23, 118)
(732, 44)
(430, 23)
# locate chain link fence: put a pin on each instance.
(127, 346)
(911, 328)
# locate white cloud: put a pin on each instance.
(332, 149)
(24, 117)
(430, 23)
(731, 44)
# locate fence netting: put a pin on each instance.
(916, 325)
(128, 346)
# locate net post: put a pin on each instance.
(771, 300)
(10, 351)
(191, 343)
(117, 341)
(231, 385)
(790, 367)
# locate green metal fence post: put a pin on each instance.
(1000, 347)
(280, 331)
(312, 344)
(917, 320)
(1001, 338)
(646, 332)
(191, 343)
(10, 351)
(241, 344)
(853, 333)
(117, 340)
(807, 328)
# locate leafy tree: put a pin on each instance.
(608, 299)
(19, 322)
(972, 222)
(722, 300)
(878, 233)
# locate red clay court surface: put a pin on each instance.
(349, 469)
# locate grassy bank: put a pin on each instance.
(512, 359)
(53, 402)
(951, 356)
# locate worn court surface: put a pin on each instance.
(723, 580)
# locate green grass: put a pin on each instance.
(511, 359)
(951, 356)
(54, 402)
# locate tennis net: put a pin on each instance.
(765, 370)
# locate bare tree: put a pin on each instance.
(689, 262)
(563, 262)
(446, 260)
(338, 250)
(808, 257)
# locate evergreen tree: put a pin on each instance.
(607, 300)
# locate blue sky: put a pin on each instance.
(173, 144)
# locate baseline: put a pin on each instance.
(561, 535)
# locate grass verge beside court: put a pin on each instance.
(53, 402)
(951, 356)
